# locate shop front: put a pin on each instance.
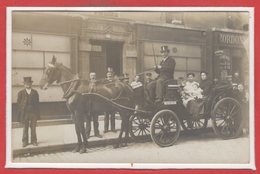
(229, 54)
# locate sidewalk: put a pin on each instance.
(59, 138)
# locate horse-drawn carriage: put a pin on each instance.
(164, 122)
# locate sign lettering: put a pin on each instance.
(231, 39)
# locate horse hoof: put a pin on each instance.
(82, 150)
(76, 149)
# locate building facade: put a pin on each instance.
(95, 41)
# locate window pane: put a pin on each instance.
(19, 74)
(50, 43)
(194, 64)
(27, 59)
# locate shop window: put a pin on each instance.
(224, 66)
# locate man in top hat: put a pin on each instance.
(165, 70)
(28, 110)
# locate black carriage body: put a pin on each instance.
(222, 106)
(222, 90)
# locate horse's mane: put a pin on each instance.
(60, 65)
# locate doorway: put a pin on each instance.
(110, 54)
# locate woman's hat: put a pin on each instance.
(164, 49)
(27, 80)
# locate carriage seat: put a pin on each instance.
(171, 90)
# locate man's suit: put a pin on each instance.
(92, 115)
(166, 72)
(108, 114)
(28, 113)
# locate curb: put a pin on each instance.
(60, 147)
(70, 146)
(94, 143)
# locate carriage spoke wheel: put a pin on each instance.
(139, 127)
(165, 128)
(227, 118)
(191, 124)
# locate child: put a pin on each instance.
(191, 90)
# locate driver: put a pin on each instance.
(165, 70)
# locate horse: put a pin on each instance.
(81, 99)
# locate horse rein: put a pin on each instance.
(70, 86)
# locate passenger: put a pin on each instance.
(192, 97)
(126, 78)
(205, 83)
(138, 92)
(191, 89)
(181, 81)
(148, 78)
(215, 81)
(149, 88)
(236, 79)
(197, 91)
(136, 83)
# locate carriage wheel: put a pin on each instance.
(139, 127)
(227, 118)
(165, 128)
(191, 124)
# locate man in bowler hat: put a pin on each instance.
(28, 111)
(165, 70)
(110, 115)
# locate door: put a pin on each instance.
(114, 56)
(98, 62)
(106, 54)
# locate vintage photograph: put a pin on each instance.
(130, 87)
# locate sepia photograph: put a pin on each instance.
(130, 88)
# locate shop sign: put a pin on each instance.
(231, 39)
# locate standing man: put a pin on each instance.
(165, 70)
(92, 116)
(28, 111)
(111, 114)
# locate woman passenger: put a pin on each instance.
(205, 83)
